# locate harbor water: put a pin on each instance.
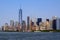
(29, 36)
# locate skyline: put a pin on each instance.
(9, 9)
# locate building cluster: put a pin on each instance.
(35, 24)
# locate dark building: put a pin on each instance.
(54, 24)
(32, 23)
(39, 20)
(28, 22)
(47, 20)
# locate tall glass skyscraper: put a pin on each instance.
(54, 22)
(28, 22)
(54, 25)
(20, 19)
(39, 20)
(20, 16)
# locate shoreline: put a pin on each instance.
(35, 31)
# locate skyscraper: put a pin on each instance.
(20, 17)
(11, 23)
(16, 24)
(39, 20)
(23, 26)
(58, 24)
(54, 22)
(28, 22)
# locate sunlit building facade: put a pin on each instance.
(58, 24)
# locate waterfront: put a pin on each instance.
(29, 35)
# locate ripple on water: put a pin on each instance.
(29, 36)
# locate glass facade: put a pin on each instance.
(39, 20)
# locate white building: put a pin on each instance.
(58, 24)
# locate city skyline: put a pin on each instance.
(9, 10)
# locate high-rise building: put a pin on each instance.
(48, 24)
(58, 24)
(11, 23)
(16, 24)
(54, 25)
(42, 26)
(31, 25)
(28, 22)
(23, 26)
(39, 20)
(11, 28)
(54, 22)
(20, 17)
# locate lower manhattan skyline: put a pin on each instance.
(9, 9)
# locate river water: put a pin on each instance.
(29, 36)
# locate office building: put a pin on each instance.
(47, 20)
(16, 24)
(11, 23)
(20, 16)
(54, 22)
(28, 22)
(34, 25)
(42, 26)
(54, 25)
(58, 24)
(50, 21)
(48, 27)
(31, 25)
(39, 20)
(23, 26)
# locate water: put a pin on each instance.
(29, 36)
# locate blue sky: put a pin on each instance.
(9, 9)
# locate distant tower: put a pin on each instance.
(28, 22)
(20, 16)
(20, 19)
(11, 23)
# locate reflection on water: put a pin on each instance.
(29, 36)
